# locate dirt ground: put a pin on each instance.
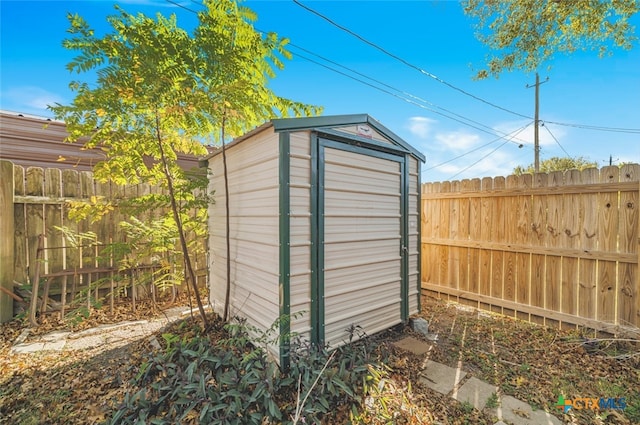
(530, 362)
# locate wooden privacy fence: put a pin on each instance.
(35, 201)
(558, 248)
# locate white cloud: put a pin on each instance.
(460, 140)
(28, 99)
(421, 126)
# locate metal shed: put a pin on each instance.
(324, 227)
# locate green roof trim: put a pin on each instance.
(310, 123)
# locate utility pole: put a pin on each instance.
(536, 139)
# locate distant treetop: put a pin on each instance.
(557, 163)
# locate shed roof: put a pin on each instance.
(328, 121)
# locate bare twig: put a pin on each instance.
(300, 405)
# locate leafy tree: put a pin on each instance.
(160, 91)
(557, 163)
(527, 33)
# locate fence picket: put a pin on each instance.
(20, 225)
(39, 206)
(628, 289)
(523, 260)
(558, 248)
(608, 219)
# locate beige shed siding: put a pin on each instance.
(254, 230)
(362, 267)
(413, 216)
(300, 233)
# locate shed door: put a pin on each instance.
(361, 239)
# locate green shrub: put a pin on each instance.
(231, 381)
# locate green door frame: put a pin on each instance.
(319, 142)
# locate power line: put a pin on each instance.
(184, 7)
(597, 128)
(588, 127)
(558, 143)
(512, 134)
(440, 80)
(398, 58)
(487, 155)
(408, 97)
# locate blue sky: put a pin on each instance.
(432, 110)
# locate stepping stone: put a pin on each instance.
(414, 345)
(55, 345)
(545, 418)
(475, 392)
(27, 348)
(441, 378)
(514, 411)
(55, 336)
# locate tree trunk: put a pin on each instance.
(191, 275)
(228, 226)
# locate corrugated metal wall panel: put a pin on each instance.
(254, 234)
(300, 232)
(384, 318)
(362, 228)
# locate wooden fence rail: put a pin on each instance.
(34, 202)
(558, 248)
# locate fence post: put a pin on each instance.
(7, 232)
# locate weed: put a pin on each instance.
(466, 407)
(493, 401)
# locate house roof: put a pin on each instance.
(326, 122)
(32, 141)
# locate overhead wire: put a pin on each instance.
(556, 140)
(513, 134)
(487, 155)
(407, 63)
(450, 85)
(408, 97)
(422, 103)
(597, 128)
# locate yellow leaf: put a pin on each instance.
(520, 380)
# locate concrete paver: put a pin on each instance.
(441, 378)
(518, 412)
(475, 392)
(544, 418)
(414, 345)
(55, 336)
(27, 348)
(445, 379)
(100, 337)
